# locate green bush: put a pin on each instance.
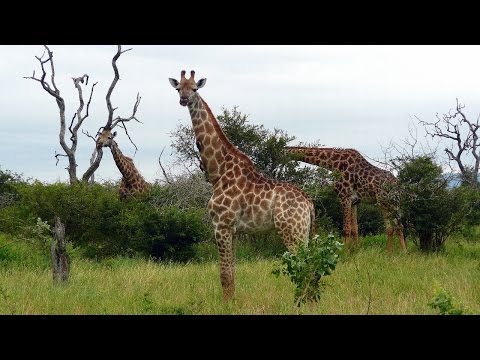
(431, 211)
(328, 211)
(163, 233)
(370, 218)
(443, 303)
(308, 264)
(102, 225)
(8, 187)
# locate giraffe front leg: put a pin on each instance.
(224, 239)
(399, 231)
(389, 230)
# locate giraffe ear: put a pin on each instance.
(173, 82)
(201, 83)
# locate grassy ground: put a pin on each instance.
(368, 281)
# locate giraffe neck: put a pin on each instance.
(214, 147)
(330, 158)
(124, 164)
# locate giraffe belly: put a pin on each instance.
(252, 221)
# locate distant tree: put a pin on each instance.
(431, 211)
(463, 136)
(79, 116)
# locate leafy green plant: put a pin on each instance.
(443, 302)
(307, 266)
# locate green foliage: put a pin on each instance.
(328, 211)
(163, 233)
(18, 252)
(431, 211)
(370, 218)
(8, 187)
(263, 146)
(306, 266)
(443, 302)
(102, 225)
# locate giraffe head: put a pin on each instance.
(106, 138)
(187, 87)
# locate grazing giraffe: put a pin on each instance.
(243, 200)
(358, 178)
(132, 181)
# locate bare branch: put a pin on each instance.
(70, 127)
(112, 86)
(57, 155)
(161, 167)
(89, 99)
(132, 117)
(129, 138)
(90, 136)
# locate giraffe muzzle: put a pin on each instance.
(183, 101)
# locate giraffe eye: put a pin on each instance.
(194, 90)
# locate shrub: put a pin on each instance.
(431, 210)
(443, 302)
(308, 264)
(102, 225)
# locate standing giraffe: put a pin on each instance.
(243, 200)
(132, 181)
(358, 178)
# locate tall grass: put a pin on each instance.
(367, 281)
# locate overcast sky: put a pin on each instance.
(358, 96)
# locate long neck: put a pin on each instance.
(124, 164)
(330, 158)
(214, 147)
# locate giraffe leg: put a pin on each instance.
(399, 231)
(389, 231)
(224, 239)
(347, 220)
(354, 225)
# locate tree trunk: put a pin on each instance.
(60, 258)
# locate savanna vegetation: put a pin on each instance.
(155, 253)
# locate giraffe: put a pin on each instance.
(243, 200)
(358, 178)
(132, 181)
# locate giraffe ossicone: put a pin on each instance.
(243, 200)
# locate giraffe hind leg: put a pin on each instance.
(347, 222)
(354, 225)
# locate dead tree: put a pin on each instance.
(60, 258)
(113, 122)
(46, 60)
(464, 135)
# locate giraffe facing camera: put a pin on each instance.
(243, 200)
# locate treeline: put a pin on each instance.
(168, 220)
